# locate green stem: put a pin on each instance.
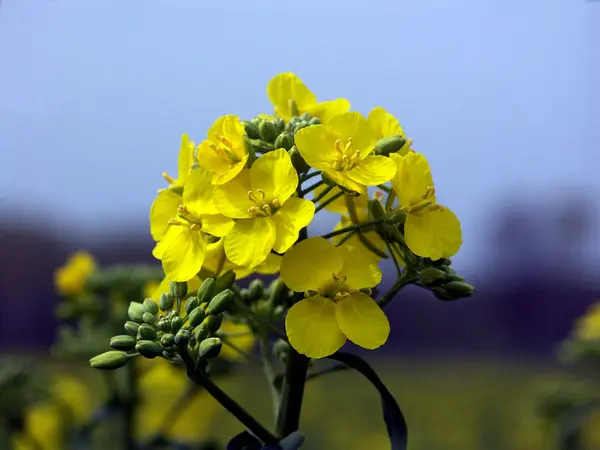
(269, 374)
(308, 176)
(225, 400)
(319, 197)
(389, 201)
(312, 187)
(398, 269)
(389, 295)
(352, 228)
(351, 206)
(345, 238)
(293, 393)
(385, 188)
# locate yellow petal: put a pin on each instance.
(433, 232)
(316, 144)
(183, 257)
(186, 158)
(250, 241)
(353, 125)
(284, 87)
(232, 200)
(271, 265)
(210, 159)
(364, 252)
(312, 328)
(384, 123)
(362, 321)
(412, 179)
(274, 173)
(359, 272)
(294, 215)
(232, 172)
(217, 224)
(198, 193)
(328, 109)
(163, 209)
(373, 170)
(310, 263)
(342, 179)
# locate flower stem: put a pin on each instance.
(293, 393)
(405, 280)
(308, 176)
(352, 228)
(351, 206)
(312, 187)
(318, 198)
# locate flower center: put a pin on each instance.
(345, 158)
(425, 202)
(261, 208)
(186, 219)
(225, 150)
(335, 288)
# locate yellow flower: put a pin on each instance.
(224, 153)
(163, 209)
(287, 87)
(588, 326)
(267, 216)
(343, 151)
(182, 247)
(184, 163)
(43, 429)
(384, 123)
(334, 309)
(431, 230)
(74, 397)
(70, 279)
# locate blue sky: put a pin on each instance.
(501, 96)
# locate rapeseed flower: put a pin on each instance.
(184, 164)
(70, 279)
(588, 326)
(386, 125)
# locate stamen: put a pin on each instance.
(254, 210)
(226, 142)
(176, 222)
(276, 203)
(262, 194)
(429, 192)
(169, 179)
(348, 144)
(195, 227)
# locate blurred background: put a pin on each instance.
(501, 96)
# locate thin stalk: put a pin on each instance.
(269, 374)
(319, 197)
(353, 228)
(308, 176)
(312, 187)
(389, 201)
(384, 188)
(345, 238)
(397, 287)
(398, 269)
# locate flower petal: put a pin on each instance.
(373, 170)
(316, 145)
(274, 173)
(309, 264)
(284, 87)
(231, 199)
(210, 159)
(362, 321)
(413, 178)
(183, 257)
(163, 209)
(250, 241)
(355, 126)
(328, 109)
(342, 179)
(312, 328)
(384, 123)
(217, 224)
(185, 159)
(433, 232)
(232, 172)
(271, 265)
(294, 215)
(198, 193)
(358, 271)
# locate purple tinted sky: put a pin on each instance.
(502, 96)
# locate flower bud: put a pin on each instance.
(201, 332)
(178, 289)
(209, 348)
(267, 131)
(256, 289)
(167, 340)
(176, 324)
(281, 349)
(300, 125)
(224, 281)
(442, 294)
(220, 302)
(213, 323)
(390, 144)
(395, 217)
(430, 276)
(251, 129)
(207, 290)
(279, 124)
(135, 311)
(298, 161)
(314, 121)
(122, 342)
(182, 337)
(277, 292)
(151, 306)
(149, 349)
(131, 327)
(191, 304)
(284, 140)
(454, 277)
(149, 318)
(163, 325)
(146, 331)
(166, 301)
(110, 360)
(376, 210)
(458, 289)
(196, 317)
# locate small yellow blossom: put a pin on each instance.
(224, 153)
(70, 279)
(343, 151)
(182, 247)
(267, 216)
(431, 230)
(386, 125)
(44, 429)
(286, 87)
(334, 309)
(184, 164)
(588, 326)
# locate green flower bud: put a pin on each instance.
(131, 327)
(149, 349)
(178, 289)
(277, 292)
(167, 340)
(251, 129)
(454, 277)
(298, 161)
(191, 304)
(213, 323)
(166, 301)
(279, 124)
(182, 337)
(176, 324)
(151, 306)
(225, 281)
(281, 349)
(201, 332)
(169, 354)
(210, 348)
(376, 210)
(146, 331)
(256, 289)
(221, 302)
(293, 108)
(149, 318)
(207, 290)
(135, 311)
(122, 342)
(442, 294)
(163, 325)
(304, 116)
(314, 121)
(300, 125)
(267, 130)
(390, 144)
(396, 217)
(430, 276)
(284, 140)
(196, 317)
(110, 360)
(459, 289)
(256, 120)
